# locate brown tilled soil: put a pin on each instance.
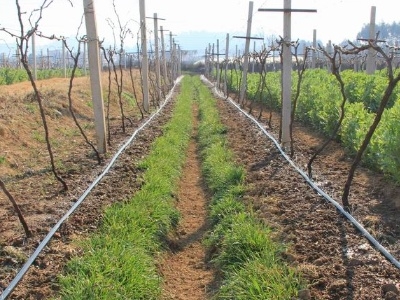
(337, 261)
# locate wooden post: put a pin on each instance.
(95, 75)
(145, 60)
(371, 63)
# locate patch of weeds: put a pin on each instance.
(89, 104)
(38, 136)
(60, 166)
(69, 132)
(31, 107)
(130, 99)
(88, 126)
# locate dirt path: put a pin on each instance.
(186, 273)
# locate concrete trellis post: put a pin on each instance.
(210, 66)
(64, 58)
(206, 62)
(212, 57)
(218, 70)
(84, 59)
(273, 47)
(171, 60)
(48, 59)
(173, 57)
(286, 68)
(95, 79)
(163, 58)
(218, 64)
(356, 64)
(371, 63)
(330, 52)
(286, 75)
(145, 60)
(314, 51)
(179, 61)
(226, 64)
(176, 57)
(253, 61)
(157, 55)
(246, 54)
(18, 63)
(34, 73)
(41, 60)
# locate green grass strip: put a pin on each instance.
(118, 262)
(250, 261)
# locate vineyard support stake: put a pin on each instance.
(95, 79)
(145, 59)
(286, 68)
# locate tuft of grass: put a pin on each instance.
(38, 136)
(130, 99)
(259, 279)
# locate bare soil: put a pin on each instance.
(338, 262)
(187, 274)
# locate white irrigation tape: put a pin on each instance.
(48, 237)
(363, 231)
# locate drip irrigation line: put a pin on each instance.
(362, 230)
(51, 233)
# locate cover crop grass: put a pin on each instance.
(250, 261)
(119, 262)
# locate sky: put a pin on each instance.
(195, 24)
